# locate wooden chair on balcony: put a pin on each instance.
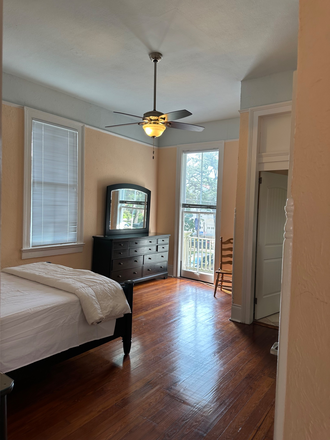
(225, 271)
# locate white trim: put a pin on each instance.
(12, 104)
(201, 143)
(280, 156)
(231, 140)
(233, 312)
(274, 166)
(236, 313)
(46, 251)
(284, 322)
(249, 247)
(270, 109)
(120, 136)
(282, 362)
(214, 145)
(30, 115)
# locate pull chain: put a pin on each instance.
(153, 147)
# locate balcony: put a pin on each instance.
(198, 253)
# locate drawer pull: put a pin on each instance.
(150, 241)
(120, 264)
(135, 261)
(121, 244)
(150, 249)
(118, 276)
(120, 253)
(162, 256)
(149, 270)
(136, 242)
(135, 250)
(134, 273)
(161, 267)
(149, 258)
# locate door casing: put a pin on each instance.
(276, 161)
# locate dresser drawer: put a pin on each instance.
(142, 242)
(125, 263)
(162, 248)
(152, 269)
(120, 245)
(122, 257)
(120, 253)
(163, 241)
(142, 250)
(127, 274)
(156, 258)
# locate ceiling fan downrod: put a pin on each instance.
(155, 58)
(154, 123)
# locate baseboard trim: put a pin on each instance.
(236, 313)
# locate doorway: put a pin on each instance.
(199, 191)
(270, 229)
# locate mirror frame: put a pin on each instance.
(139, 231)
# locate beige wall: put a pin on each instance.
(167, 191)
(166, 195)
(108, 159)
(240, 207)
(229, 184)
(308, 378)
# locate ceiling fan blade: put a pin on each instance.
(121, 125)
(127, 114)
(184, 126)
(178, 114)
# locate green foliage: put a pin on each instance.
(201, 178)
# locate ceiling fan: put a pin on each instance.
(154, 123)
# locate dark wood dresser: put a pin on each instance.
(131, 257)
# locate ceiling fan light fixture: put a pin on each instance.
(154, 129)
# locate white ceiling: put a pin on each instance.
(98, 50)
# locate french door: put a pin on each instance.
(199, 187)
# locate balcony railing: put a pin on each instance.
(198, 253)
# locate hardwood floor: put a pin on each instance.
(191, 374)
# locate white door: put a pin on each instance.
(271, 219)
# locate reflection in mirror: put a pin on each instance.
(128, 209)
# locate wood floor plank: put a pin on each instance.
(191, 374)
(266, 429)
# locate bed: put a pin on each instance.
(39, 321)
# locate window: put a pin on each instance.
(198, 213)
(132, 207)
(53, 185)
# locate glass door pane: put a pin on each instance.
(198, 208)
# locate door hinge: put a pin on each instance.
(255, 300)
(260, 180)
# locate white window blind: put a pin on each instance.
(54, 184)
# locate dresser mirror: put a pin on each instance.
(127, 209)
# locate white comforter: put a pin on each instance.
(100, 297)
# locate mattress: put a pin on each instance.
(38, 321)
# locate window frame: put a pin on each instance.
(48, 250)
(203, 146)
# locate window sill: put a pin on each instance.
(47, 251)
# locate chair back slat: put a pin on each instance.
(226, 252)
(224, 275)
